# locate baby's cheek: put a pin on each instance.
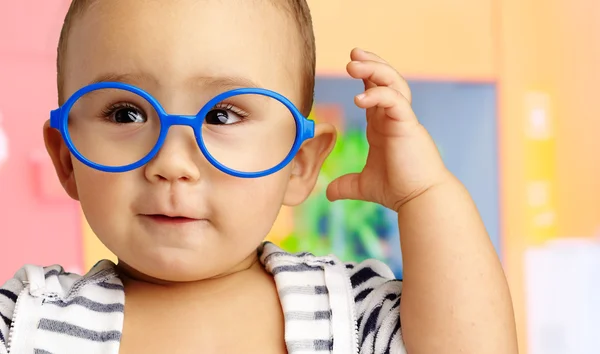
(255, 203)
(104, 199)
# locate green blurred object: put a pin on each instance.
(350, 229)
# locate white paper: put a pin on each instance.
(563, 298)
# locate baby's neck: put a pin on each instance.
(205, 314)
(242, 274)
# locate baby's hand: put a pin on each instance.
(403, 161)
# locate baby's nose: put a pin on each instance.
(178, 158)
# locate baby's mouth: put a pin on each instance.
(166, 219)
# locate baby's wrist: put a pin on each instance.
(437, 186)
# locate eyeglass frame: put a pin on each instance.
(305, 128)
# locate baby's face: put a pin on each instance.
(177, 51)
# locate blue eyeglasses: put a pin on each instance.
(246, 132)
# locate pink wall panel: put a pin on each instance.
(38, 224)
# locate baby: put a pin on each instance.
(182, 132)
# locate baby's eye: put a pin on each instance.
(129, 115)
(225, 114)
(222, 116)
(124, 114)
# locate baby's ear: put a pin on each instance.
(308, 162)
(61, 158)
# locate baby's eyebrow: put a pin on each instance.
(128, 78)
(223, 81)
(218, 82)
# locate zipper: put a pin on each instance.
(353, 314)
(336, 278)
(11, 331)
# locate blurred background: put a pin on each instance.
(507, 88)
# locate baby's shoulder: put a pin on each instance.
(33, 277)
(365, 270)
(30, 277)
(372, 291)
(368, 275)
(372, 274)
(54, 279)
(51, 282)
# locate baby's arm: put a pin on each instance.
(455, 298)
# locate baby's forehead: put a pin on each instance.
(173, 43)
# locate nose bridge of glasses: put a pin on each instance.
(178, 119)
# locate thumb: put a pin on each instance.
(344, 187)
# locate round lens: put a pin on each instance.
(249, 133)
(113, 127)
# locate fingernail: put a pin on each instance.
(361, 96)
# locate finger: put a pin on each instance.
(379, 74)
(344, 187)
(361, 54)
(350, 69)
(358, 54)
(396, 106)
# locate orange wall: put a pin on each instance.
(552, 47)
(426, 38)
(524, 67)
(578, 141)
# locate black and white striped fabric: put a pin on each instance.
(329, 307)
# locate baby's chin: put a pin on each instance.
(159, 272)
(182, 267)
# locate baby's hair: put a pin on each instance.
(298, 10)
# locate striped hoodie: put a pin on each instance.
(328, 306)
